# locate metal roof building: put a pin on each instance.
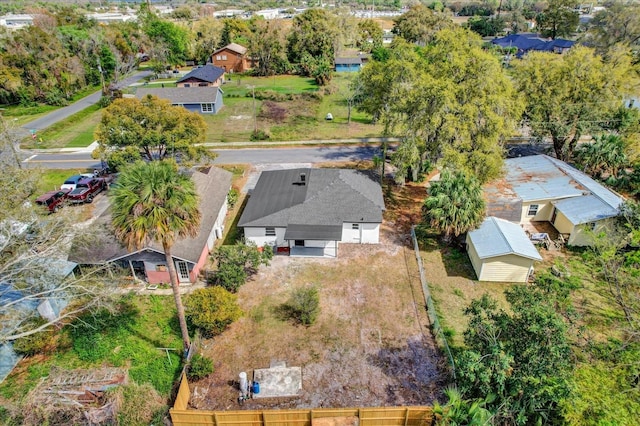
(500, 250)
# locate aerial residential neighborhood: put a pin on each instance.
(249, 213)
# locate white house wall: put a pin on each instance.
(582, 235)
(510, 268)
(257, 235)
(368, 233)
(218, 224)
(545, 210)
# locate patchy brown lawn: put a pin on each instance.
(370, 345)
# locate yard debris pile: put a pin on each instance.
(75, 396)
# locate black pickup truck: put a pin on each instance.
(86, 190)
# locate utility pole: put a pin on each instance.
(255, 118)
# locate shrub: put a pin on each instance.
(237, 262)
(200, 367)
(232, 197)
(259, 135)
(212, 309)
(35, 343)
(304, 305)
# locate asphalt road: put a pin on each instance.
(63, 113)
(225, 156)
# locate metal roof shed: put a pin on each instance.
(500, 250)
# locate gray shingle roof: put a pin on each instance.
(348, 61)
(212, 185)
(328, 197)
(182, 95)
(209, 73)
(499, 237)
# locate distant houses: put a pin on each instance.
(231, 58)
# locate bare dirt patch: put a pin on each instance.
(370, 346)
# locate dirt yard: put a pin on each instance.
(370, 346)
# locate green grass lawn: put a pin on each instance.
(305, 115)
(129, 339)
(53, 178)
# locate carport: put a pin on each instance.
(313, 240)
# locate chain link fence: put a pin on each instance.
(437, 330)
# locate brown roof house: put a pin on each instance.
(232, 58)
(189, 254)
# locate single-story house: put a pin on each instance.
(189, 254)
(501, 251)
(205, 100)
(231, 58)
(307, 212)
(540, 188)
(527, 42)
(347, 64)
(205, 76)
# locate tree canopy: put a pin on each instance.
(450, 101)
(572, 94)
(154, 127)
(419, 24)
(559, 19)
(313, 33)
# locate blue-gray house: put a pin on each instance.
(348, 64)
(204, 100)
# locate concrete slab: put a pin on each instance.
(278, 382)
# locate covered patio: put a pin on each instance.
(313, 240)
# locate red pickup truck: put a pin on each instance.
(86, 190)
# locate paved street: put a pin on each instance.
(225, 156)
(63, 113)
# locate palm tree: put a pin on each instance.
(154, 201)
(455, 204)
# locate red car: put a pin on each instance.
(53, 200)
(86, 190)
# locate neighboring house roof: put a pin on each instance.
(528, 41)
(212, 185)
(540, 177)
(209, 73)
(499, 237)
(182, 95)
(329, 197)
(234, 47)
(348, 61)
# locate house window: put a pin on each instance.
(206, 107)
(533, 210)
(224, 57)
(187, 85)
(270, 232)
(203, 84)
(355, 226)
(590, 226)
(218, 57)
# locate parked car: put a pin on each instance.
(72, 181)
(86, 190)
(53, 201)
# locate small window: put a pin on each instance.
(590, 226)
(203, 84)
(224, 57)
(206, 107)
(218, 57)
(533, 210)
(355, 226)
(270, 232)
(187, 85)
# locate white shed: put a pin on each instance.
(501, 251)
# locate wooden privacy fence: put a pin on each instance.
(377, 416)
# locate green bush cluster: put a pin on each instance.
(259, 135)
(199, 367)
(212, 309)
(303, 306)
